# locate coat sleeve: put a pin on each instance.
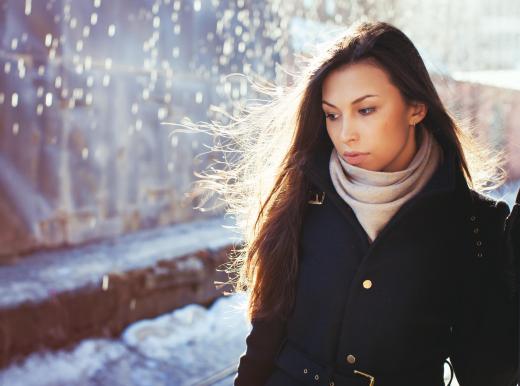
(485, 330)
(262, 344)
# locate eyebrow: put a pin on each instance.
(353, 102)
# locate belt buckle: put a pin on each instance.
(372, 378)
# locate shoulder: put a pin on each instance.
(488, 207)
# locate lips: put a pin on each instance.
(354, 158)
(353, 153)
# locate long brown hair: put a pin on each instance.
(265, 189)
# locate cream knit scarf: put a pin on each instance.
(375, 196)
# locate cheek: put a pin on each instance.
(393, 128)
(388, 138)
(333, 134)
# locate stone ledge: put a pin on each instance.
(55, 299)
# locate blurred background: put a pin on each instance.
(107, 272)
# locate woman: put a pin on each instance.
(370, 253)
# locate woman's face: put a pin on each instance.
(380, 125)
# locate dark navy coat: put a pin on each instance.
(431, 286)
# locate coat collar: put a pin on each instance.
(447, 178)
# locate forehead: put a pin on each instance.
(353, 80)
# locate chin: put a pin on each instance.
(379, 168)
(366, 167)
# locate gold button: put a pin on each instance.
(351, 358)
(305, 371)
(367, 284)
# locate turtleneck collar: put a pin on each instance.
(375, 196)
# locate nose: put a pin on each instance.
(348, 132)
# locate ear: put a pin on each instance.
(418, 111)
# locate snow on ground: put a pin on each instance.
(63, 367)
(180, 348)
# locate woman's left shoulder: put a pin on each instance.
(488, 207)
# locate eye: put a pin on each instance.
(330, 117)
(364, 111)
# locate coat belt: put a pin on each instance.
(298, 365)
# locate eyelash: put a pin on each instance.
(328, 116)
